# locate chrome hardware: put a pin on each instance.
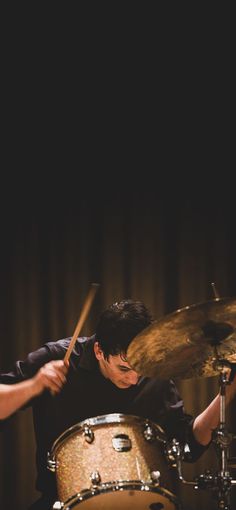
(58, 505)
(149, 433)
(95, 478)
(173, 452)
(121, 443)
(88, 434)
(51, 463)
(186, 449)
(155, 476)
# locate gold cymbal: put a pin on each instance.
(188, 342)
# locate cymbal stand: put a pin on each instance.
(223, 439)
(221, 482)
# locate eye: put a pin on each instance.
(124, 369)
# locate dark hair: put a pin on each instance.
(119, 324)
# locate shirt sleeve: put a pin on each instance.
(24, 369)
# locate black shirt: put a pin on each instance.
(87, 394)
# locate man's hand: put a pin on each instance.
(51, 376)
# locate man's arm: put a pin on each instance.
(209, 419)
(51, 376)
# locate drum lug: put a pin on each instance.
(149, 433)
(88, 434)
(51, 463)
(155, 477)
(95, 478)
(58, 505)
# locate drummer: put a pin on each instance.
(101, 381)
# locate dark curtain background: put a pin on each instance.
(154, 244)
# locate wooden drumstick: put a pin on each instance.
(84, 313)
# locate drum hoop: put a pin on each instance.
(101, 420)
(121, 485)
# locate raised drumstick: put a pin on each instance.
(84, 313)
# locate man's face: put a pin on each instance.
(116, 369)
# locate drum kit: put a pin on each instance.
(122, 461)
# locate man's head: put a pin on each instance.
(117, 327)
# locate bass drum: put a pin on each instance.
(113, 462)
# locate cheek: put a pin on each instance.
(117, 375)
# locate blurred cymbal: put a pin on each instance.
(188, 342)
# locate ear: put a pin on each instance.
(98, 351)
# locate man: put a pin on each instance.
(100, 381)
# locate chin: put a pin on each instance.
(125, 386)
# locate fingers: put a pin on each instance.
(52, 376)
(52, 379)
